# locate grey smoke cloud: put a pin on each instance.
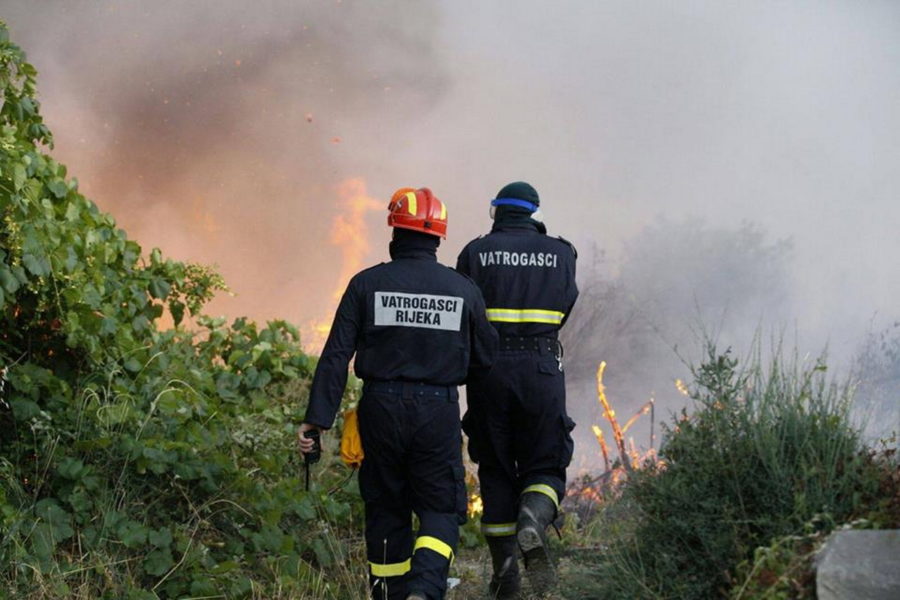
(190, 121)
(222, 131)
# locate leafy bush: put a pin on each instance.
(135, 462)
(766, 452)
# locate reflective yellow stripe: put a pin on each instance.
(390, 570)
(411, 203)
(443, 211)
(541, 488)
(432, 543)
(525, 315)
(498, 529)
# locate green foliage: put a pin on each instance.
(782, 570)
(766, 452)
(139, 462)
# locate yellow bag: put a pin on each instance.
(351, 445)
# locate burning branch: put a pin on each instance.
(646, 408)
(598, 433)
(610, 415)
(586, 492)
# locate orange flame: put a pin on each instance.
(610, 415)
(475, 503)
(632, 458)
(317, 334)
(350, 233)
(598, 433)
(476, 506)
(596, 489)
(641, 411)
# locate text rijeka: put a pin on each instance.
(400, 309)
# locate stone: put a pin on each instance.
(859, 565)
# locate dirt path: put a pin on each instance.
(577, 570)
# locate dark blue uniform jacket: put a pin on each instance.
(527, 278)
(411, 319)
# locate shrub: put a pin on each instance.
(139, 463)
(764, 452)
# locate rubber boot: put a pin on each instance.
(536, 512)
(505, 583)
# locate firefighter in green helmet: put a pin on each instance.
(517, 423)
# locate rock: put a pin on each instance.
(859, 565)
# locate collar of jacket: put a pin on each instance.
(529, 225)
(412, 249)
(413, 253)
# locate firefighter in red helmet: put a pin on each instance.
(418, 329)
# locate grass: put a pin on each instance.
(765, 465)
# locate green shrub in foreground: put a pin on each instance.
(137, 463)
(764, 452)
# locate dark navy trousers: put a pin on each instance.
(519, 434)
(413, 464)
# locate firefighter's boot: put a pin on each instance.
(505, 584)
(536, 512)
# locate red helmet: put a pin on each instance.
(418, 210)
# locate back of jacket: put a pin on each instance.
(411, 319)
(420, 322)
(527, 279)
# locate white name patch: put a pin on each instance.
(418, 310)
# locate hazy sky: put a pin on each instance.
(222, 130)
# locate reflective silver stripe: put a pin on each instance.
(525, 315)
(498, 529)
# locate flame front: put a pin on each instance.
(349, 230)
(350, 233)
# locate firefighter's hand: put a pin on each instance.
(305, 443)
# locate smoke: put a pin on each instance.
(222, 131)
(876, 367)
(678, 286)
